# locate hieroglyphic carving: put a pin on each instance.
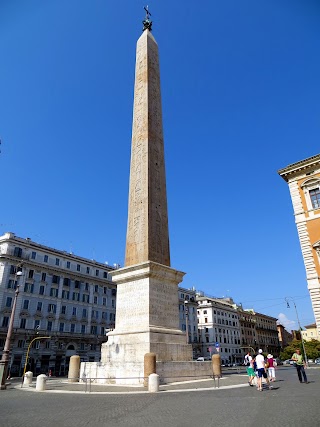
(147, 233)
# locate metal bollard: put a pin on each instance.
(41, 382)
(153, 386)
(27, 380)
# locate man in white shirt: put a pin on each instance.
(261, 370)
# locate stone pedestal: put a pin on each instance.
(147, 320)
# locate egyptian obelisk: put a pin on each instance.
(147, 314)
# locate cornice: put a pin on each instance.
(301, 166)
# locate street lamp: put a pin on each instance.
(4, 362)
(288, 306)
(186, 311)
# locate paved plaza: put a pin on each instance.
(289, 403)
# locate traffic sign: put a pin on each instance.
(217, 345)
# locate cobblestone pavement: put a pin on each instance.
(289, 403)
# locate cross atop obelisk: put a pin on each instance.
(147, 231)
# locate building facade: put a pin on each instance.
(303, 179)
(188, 318)
(62, 296)
(284, 336)
(219, 329)
(311, 333)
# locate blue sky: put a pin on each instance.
(240, 93)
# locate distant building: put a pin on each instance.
(69, 298)
(311, 333)
(188, 316)
(304, 184)
(284, 336)
(219, 329)
(258, 331)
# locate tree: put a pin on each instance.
(312, 349)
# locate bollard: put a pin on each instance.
(153, 386)
(74, 369)
(41, 382)
(216, 365)
(28, 378)
(150, 366)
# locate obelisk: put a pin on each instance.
(147, 314)
(147, 233)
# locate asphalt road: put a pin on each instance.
(288, 404)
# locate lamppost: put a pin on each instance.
(295, 307)
(186, 312)
(4, 362)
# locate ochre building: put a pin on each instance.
(303, 179)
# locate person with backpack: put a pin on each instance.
(248, 362)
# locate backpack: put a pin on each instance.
(246, 361)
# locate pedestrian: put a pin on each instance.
(248, 362)
(271, 367)
(300, 364)
(261, 370)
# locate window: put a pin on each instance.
(83, 331)
(52, 308)
(57, 261)
(72, 328)
(20, 343)
(78, 267)
(17, 252)
(43, 277)
(63, 309)
(96, 288)
(61, 327)
(49, 326)
(28, 287)
(87, 287)
(75, 296)
(8, 302)
(55, 279)
(114, 292)
(105, 275)
(315, 198)
(68, 264)
(41, 290)
(94, 330)
(47, 344)
(45, 258)
(65, 294)
(105, 290)
(36, 324)
(12, 284)
(5, 322)
(25, 304)
(102, 330)
(112, 303)
(31, 273)
(33, 255)
(39, 306)
(76, 284)
(95, 300)
(66, 281)
(85, 298)
(74, 311)
(88, 270)
(23, 323)
(104, 301)
(84, 312)
(54, 292)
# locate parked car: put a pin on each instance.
(317, 361)
(288, 362)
